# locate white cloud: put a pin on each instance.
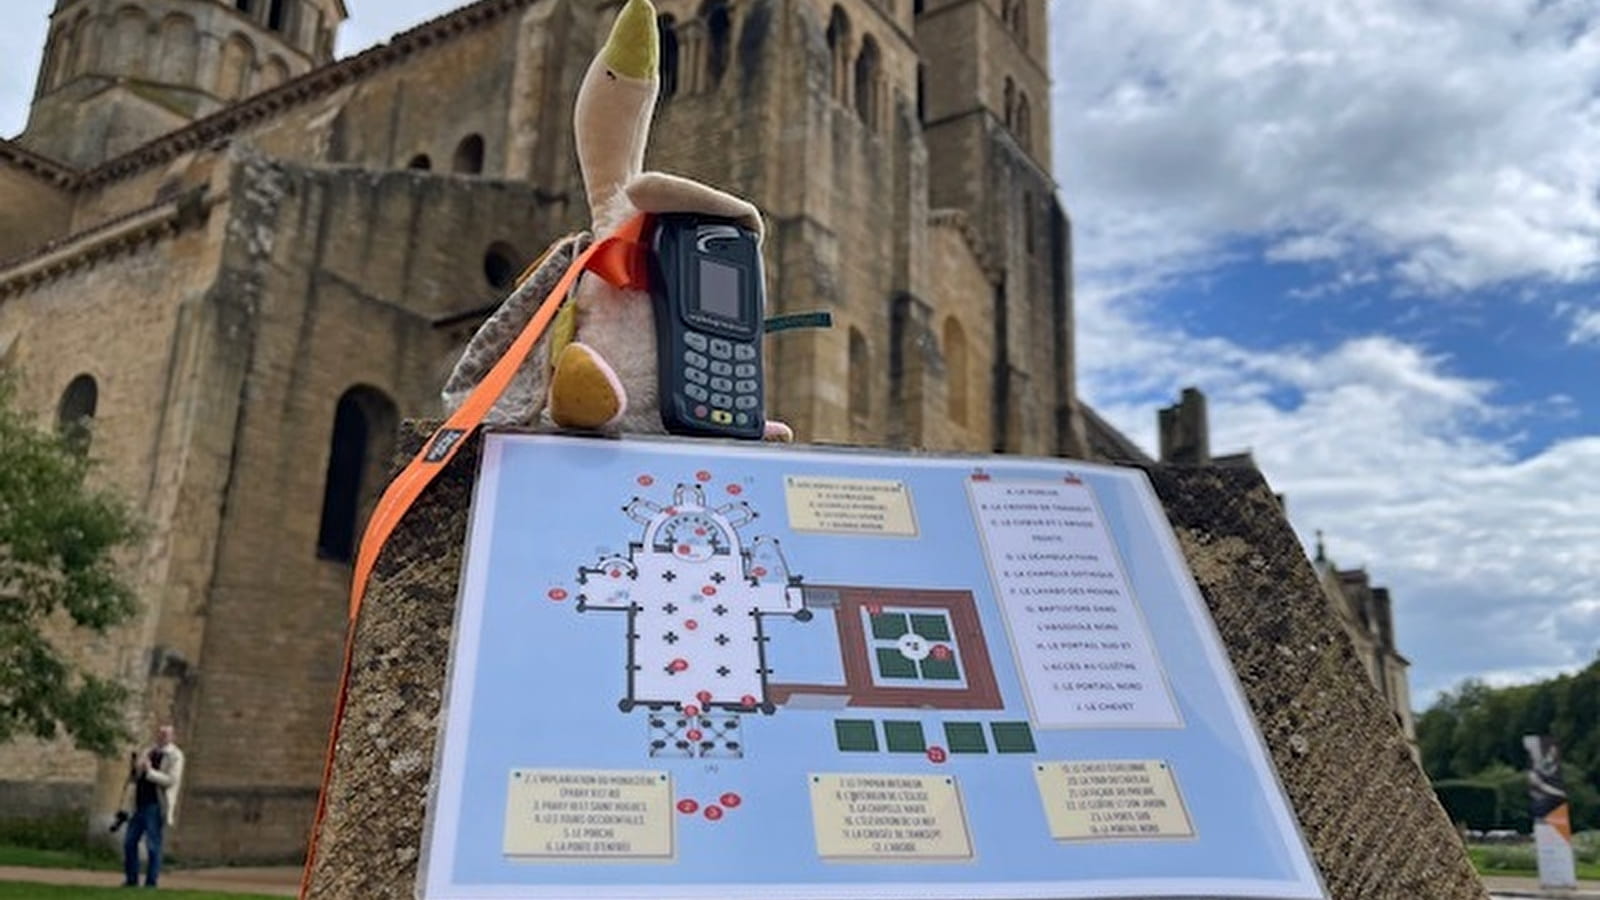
(1457, 139)
(1491, 557)
(1585, 327)
(1400, 149)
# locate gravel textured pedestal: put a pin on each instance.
(1366, 809)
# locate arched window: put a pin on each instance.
(719, 34)
(866, 79)
(667, 27)
(420, 161)
(1019, 23)
(469, 156)
(248, 7)
(500, 265)
(277, 15)
(233, 77)
(839, 47)
(180, 48)
(363, 437)
(956, 372)
(61, 48)
(128, 51)
(1024, 125)
(274, 73)
(1011, 102)
(75, 413)
(860, 377)
(86, 56)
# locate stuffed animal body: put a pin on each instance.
(596, 368)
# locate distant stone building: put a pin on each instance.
(1364, 609)
(243, 262)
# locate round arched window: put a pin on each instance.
(500, 265)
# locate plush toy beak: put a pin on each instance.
(634, 48)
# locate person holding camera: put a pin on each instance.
(155, 776)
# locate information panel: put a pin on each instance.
(709, 670)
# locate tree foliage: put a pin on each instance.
(59, 537)
(1473, 735)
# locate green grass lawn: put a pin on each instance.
(11, 890)
(11, 855)
(1489, 862)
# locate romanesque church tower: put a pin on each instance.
(237, 263)
(118, 73)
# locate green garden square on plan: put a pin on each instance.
(856, 735)
(904, 737)
(933, 628)
(965, 737)
(935, 669)
(888, 627)
(1012, 737)
(894, 664)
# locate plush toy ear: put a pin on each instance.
(658, 192)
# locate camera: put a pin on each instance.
(120, 819)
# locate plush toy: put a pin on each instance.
(595, 369)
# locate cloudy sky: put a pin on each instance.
(1369, 231)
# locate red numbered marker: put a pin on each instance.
(691, 624)
(759, 571)
(646, 481)
(616, 573)
(747, 701)
(731, 800)
(709, 591)
(688, 807)
(704, 697)
(702, 476)
(693, 734)
(558, 594)
(937, 755)
(691, 710)
(940, 651)
(678, 665)
(713, 813)
(735, 490)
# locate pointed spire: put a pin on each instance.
(1322, 553)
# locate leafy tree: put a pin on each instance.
(59, 537)
(1472, 738)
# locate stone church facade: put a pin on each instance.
(243, 262)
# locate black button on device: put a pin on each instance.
(744, 370)
(722, 384)
(721, 349)
(722, 401)
(745, 403)
(695, 359)
(696, 392)
(697, 376)
(696, 341)
(721, 368)
(746, 387)
(744, 352)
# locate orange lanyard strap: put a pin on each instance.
(620, 260)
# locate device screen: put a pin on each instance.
(719, 290)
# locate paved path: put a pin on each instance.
(1505, 887)
(280, 881)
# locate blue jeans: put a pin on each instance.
(146, 823)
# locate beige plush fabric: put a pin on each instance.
(524, 400)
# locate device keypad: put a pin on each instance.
(711, 379)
